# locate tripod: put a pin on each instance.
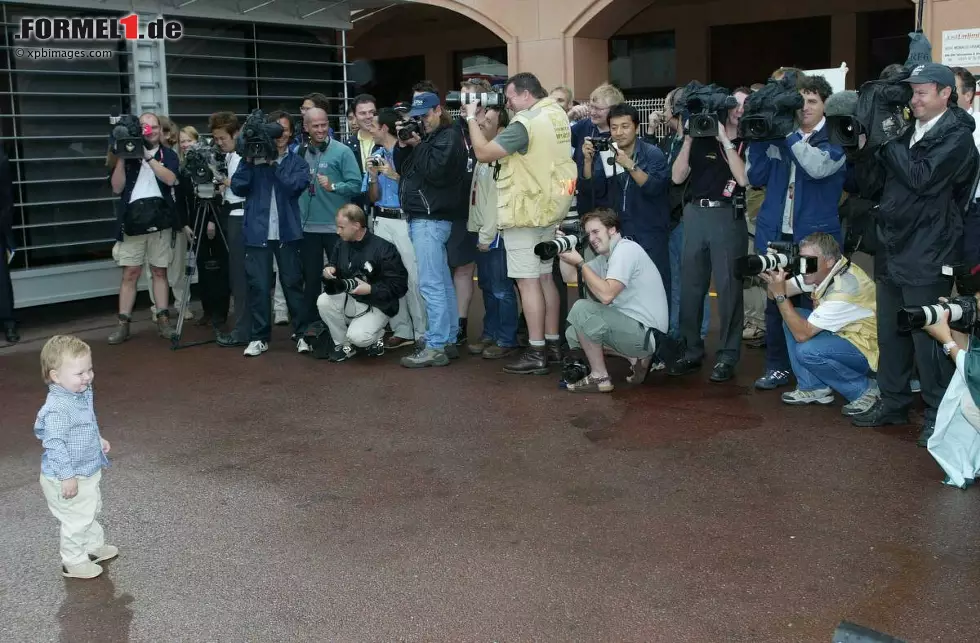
(206, 211)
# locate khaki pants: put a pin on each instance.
(356, 325)
(607, 326)
(81, 533)
(175, 269)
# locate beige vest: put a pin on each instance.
(535, 189)
(856, 287)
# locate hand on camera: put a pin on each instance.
(940, 331)
(329, 272)
(624, 161)
(588, 149)
(189, 232)
(363, 288)
(470, 109)
(572, 257)
(722, 134)
(149, 154)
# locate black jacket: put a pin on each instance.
(389, 282)
(6, 205)
(431, 174)
(922, 194)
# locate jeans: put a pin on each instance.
(242, 323)
(499, 298)
(258, 268)
(312, 247)
(676, 246)
(828, 360)
(429, 238)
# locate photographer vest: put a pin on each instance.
(536, 189)
(864, 332)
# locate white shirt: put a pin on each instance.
(643, 297)
(146, 184)
(788, 207)
(921, 130)
(232, 159)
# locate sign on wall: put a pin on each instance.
(961, 48)
(835, 76)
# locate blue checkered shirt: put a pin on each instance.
(69, 433)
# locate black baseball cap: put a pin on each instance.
(932, 73)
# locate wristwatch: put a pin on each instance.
(949, 346)
(780, 299)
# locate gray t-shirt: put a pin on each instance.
(514, 138)
(643, 297)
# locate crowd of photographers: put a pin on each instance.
(764, 192)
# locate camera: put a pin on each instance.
(486, 99)
(786, 256)
(706, 106)
(574, 369)
(337, 285)
(770, 113)
(882, 111)
(375, 161)
(962, 309)
(127, 138)
(257, 141)
(412, 125)
(201, 167)
(601, 144)
(551, 249)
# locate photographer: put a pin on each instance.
(535, 185)
(431, 160)
(381, 184)
(834, 346)
(272, 230)
(6, 248)
(593, 128)
(923, 178)
(966, 90)
(715, 234)
(357, 317)
(146, 218)
(334, 182)
(630, 300)
(955, 443)
(637, 187)
(803, 176)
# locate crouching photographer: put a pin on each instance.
(362, 283)
(955, 443)
(834, 347)
(629, 312)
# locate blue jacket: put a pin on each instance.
(290, 176)
(644, 212)
(820, 173)
(581, 130)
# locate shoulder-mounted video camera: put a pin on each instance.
(880, 112)
(770, 113)
(486, 99)
(127, 139)
(337, 285)
(782, 255)
(257, 141)
(705, 106)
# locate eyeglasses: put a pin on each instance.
(598, 108)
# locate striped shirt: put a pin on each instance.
(69, 433)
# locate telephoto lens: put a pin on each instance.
(337, 286)
(551, 249)
(962, 314)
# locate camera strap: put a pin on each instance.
(346, 262)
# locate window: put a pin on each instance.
(643, 65)
(490, 64)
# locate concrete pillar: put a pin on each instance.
(843, 44)
(544, 58)
(587, 66)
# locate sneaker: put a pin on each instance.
(425, 356)
(451, 351)
(915, 386)
(303, 347)
(256, 348)
(772, 380)
(105, 552)
(864, 403)
(342, 353)
(377, 350)
(281, 319)
(395, 342)
(88, 569)
(799, 398)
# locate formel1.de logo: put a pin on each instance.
(101, 28)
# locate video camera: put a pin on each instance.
(704, 107)
(770, 113)
(127, 140)
(411, 125)
(784, 256)
(486, 99)
(338, 285)
(202, 166)
(880, 112)
(962, 309)
(257, 141)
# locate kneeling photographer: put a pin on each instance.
(362, 283)
(834, 347)
(955, 443)
(629, 312)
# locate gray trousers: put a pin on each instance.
(242, 323)
(713, 240)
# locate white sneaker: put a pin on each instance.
(863, 403)
(256, 348)
(281, 318)
(799, 398)
(303, 347)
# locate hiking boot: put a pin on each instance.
(164, 329)
(461, 338)
(534, 361)
(88, 569)
(880, 415)
(121, 333)
(451, 351)
(496, 351)
(822, 396)
(480, 346)
(105, 552)
(552, 349)
(425, 356)
(10, 330)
